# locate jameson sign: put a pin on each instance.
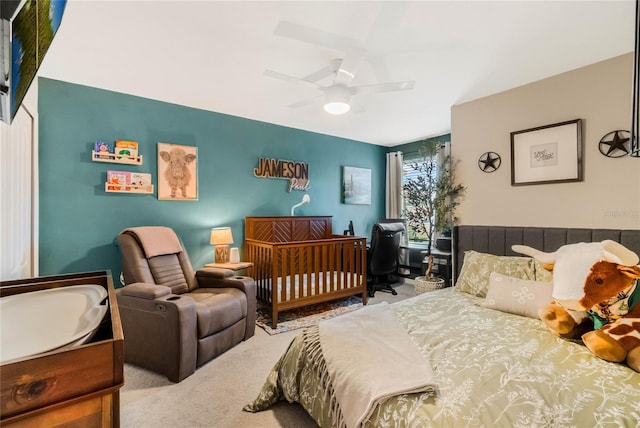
(296, 172)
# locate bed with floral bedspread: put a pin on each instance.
(492, 369)
(495, 363)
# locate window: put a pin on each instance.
(422, 170)
(412, 168)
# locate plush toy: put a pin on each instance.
(596, 297)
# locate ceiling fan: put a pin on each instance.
(339, 93)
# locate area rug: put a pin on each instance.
(307, 316)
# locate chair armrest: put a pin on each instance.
(160, 332)
(214, 273)
(145, 291)
(243, 283)
(219, 278)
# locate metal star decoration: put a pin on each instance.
(615, 144)
(489, 162)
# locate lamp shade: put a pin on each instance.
(221, 236)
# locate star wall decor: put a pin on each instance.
(489, 162)
(615, 144)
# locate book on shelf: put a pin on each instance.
(125, 181)
(118, 180)
(104, 150)
(140, 179)
(124, 148)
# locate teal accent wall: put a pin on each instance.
(79, 220)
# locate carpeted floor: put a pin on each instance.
(215, 394)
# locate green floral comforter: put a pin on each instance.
(493, 369)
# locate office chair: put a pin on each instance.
(404, 257)
(382, 256)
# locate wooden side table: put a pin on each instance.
(233, 266)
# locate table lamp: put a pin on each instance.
(221, 237)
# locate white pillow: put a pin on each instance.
(517, 296)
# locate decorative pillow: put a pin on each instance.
(517, 296)
(476, 268)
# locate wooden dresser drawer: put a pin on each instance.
(79, 385)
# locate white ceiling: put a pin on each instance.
(212, 55)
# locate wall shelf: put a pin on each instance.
(146, 189)
(115, 158)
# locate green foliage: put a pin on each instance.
(432, 196)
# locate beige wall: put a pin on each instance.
(608, 196)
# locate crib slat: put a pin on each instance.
(308, 269)
(315, 267)
(333, 268)
(325, 268)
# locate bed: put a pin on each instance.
(298, 261)
(492, 368)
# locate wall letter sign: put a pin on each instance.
(296, 172)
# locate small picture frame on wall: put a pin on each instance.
(356, 185)
(177, 172)
(547, 154)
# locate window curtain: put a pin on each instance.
(393, 206)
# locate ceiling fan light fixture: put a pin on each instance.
(337, 100)
(337, 107)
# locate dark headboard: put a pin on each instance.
(499, 239)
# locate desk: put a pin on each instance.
(442, 264)
(232, 266)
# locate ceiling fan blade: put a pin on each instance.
(383, 87)
(288, 78)
(379, 68)
(314, 36)
(349, 65)
(324, 72)
(304, 103)
(388, 20)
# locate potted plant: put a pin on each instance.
(431, 196)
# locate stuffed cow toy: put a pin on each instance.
(596, 297)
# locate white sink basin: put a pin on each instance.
(41, 321)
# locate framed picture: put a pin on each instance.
(177, 172)
(547, 154)
(356, 185)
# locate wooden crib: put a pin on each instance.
(297, 261)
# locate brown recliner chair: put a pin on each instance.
(175, 319)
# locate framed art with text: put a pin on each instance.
(547, 154)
